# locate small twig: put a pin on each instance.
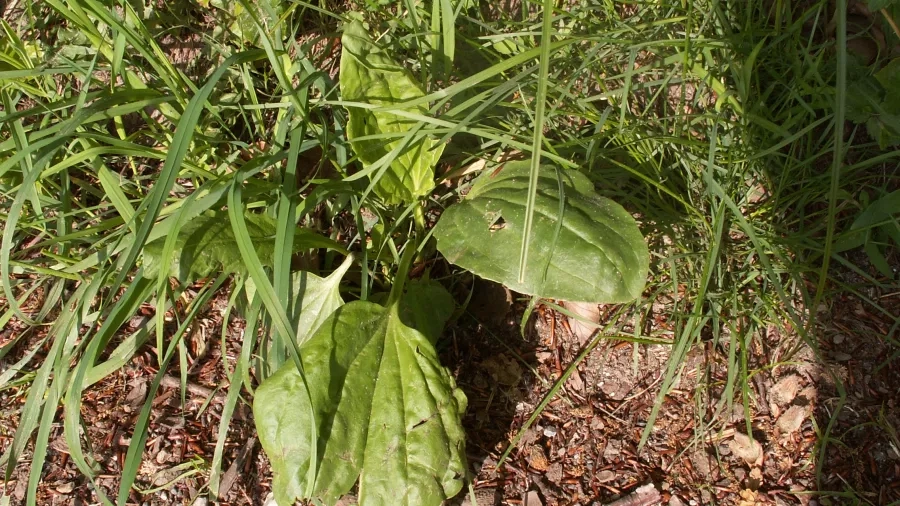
(635, 396)
(198, 390)
(645, 495)
(891, 22)
(231, 475)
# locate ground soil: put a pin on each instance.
(582, 449)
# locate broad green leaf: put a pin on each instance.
(388, 412)
(242, 24)
(877, 259)
(313, 299)
(889, 76)
(865, 100)
(885, 128)
(599, 255)
(369, 75)
(876, 5)
(207, 244)
(878, 212)
(878, 215)
(426, 306)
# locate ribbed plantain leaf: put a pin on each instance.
(599, 255)
(370, 76)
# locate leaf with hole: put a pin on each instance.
(207, 244)
(387, 412)
(599, 254)
(370, 76)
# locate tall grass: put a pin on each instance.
(715, 123)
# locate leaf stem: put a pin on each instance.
(400, 280)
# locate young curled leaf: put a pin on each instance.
(312, 299)
(368, 75)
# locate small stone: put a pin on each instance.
(807, 396)
(555, 473)
(838, 338)
(842, 357)
(575, 382)
(613, 450)
(706, 496)
(550, 431)
(138, 321)
(200, 501)
(162, 457)
(701, 463)
(605, 476)
(791, 420)
(589, 312)
(487, 466)
(532, 499)
(531, 435)
(784, 391)
(65, 488)
(746, 448)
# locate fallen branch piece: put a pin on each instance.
(645, 495)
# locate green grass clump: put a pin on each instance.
(721, 126)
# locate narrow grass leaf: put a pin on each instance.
(540, 105)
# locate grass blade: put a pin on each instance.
(537, 141)
(181, 140)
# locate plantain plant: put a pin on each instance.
(369, 401)
(351, 394)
